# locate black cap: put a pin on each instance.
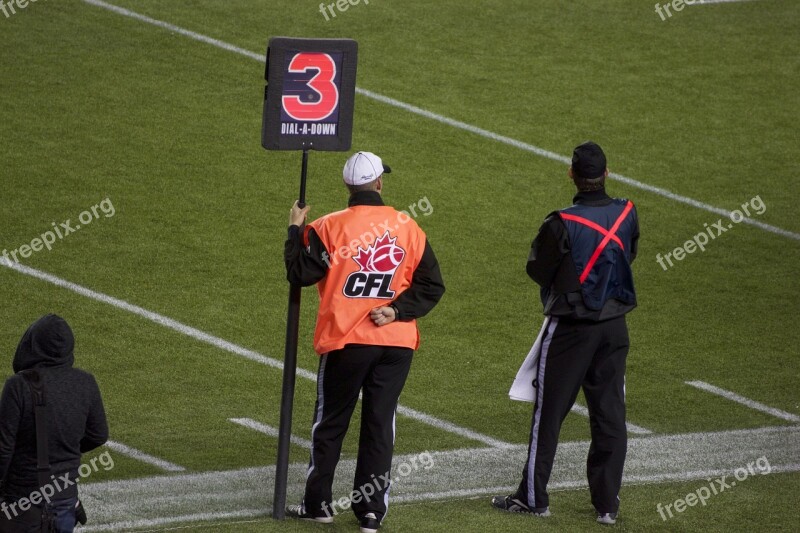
(588, 161)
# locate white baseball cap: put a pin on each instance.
(363, 168)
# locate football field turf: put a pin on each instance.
(139, 121)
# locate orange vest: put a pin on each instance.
(373, 253)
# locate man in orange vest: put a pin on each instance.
(376, 274)
(582, 259)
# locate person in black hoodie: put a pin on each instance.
(76, 424)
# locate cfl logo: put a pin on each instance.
(363, 285)
(377, 265)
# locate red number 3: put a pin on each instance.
(322, 84)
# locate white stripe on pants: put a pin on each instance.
(537, 416)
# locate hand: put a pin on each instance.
(297, 215)
(382, 315)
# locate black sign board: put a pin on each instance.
(308, 103)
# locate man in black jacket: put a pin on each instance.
(76, 425)
(581, 258)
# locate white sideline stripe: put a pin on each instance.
(269, 430)
(230, 347)
(632, 428)
(628, 480)
(452, 122)
(156, 522)
(752, 404)
(702, 2)
(143, 457)
(428, 497)
(247, 492)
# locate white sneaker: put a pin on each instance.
(296, 511)
(370, 524)
(608, 519)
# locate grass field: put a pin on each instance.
(695, 112)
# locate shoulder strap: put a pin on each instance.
(40, 414)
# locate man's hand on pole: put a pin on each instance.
(297, 215)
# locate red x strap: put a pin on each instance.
(608, 235)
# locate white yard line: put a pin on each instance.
(752, 404)
(704, 2)
(222, 344)
(632, 428)
(164, 500)
(444, 425)
(177, 29)
(451, 122)
(269, 430)
(139, 455)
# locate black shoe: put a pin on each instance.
(80, 513)
(608, 519)
(513, 505)
(370, 523)
(296, 511)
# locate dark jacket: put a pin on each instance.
(307, 266)
(76, 418)
(550, 264)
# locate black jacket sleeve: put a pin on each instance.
(305, 265)
(547, 251)
(635, 236)
(427, 288)
(96, 432)
(10, 415)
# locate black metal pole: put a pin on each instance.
(289, 375)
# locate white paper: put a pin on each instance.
(522, 389)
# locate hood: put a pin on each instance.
(47, 343)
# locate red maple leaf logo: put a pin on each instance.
(384, 255)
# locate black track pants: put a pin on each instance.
(381, 373)
(574, 355)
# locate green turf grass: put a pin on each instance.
(95, 105)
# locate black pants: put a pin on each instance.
(30, 521)
(381, 373)
(575, 354)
